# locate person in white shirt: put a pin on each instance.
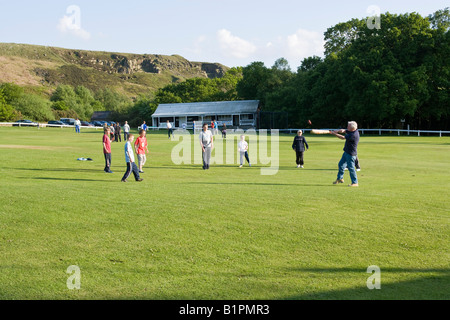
(77, 126)
(129, 158)
(243, 150)
(207, 143)
(126, 131)
(170, 128)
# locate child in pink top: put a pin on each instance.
(141, 147)
(107, 149)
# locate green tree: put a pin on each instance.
(35, 107)
(6, 111)
(142, 109)
(113, 101)
(282, 65)
(63, 93)
(254, 83)
(11, 92)
(84, 102)
(342, 35)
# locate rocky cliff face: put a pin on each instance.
(155, 64)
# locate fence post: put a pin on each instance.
(380, 132)
(398, 132)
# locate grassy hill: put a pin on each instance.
(41, 69)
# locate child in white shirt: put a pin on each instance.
(243, 150)
(129, 158)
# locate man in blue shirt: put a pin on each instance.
(350, 153)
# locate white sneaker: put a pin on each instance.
(358, 170)
(240, 166)
(298, 166)
(301, 167)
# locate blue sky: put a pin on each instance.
(231, 32)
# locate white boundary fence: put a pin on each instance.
(289, 131)
(380, 131)
(42, 125)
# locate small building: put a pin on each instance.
(235, 114)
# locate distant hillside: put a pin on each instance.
(41, 69)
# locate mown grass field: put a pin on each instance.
(226, 233)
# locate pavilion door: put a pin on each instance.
(236, 121)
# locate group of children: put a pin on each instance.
(140, 146)
(215, 129)
(207, 144)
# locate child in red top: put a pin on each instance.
(107, 149)
(141, 147)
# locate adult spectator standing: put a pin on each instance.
(118, 132)
(170, 128)
(126, 131)
(350, 153)
(77, 125)
(207, 143)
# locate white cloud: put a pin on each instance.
(234, 46)
(232, 50)
(303, 44)
(72, 25)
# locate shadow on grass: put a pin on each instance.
(173, 167)
(234, 166)
(72, 179)
(262, 184)
(428, 287)
(58, 170)
(359, 270)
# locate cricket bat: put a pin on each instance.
(316, 131)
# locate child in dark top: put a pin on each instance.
(299, 147)
(224, 131)
(117, 133)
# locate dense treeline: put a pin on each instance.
(377, 77)
(383, 77)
